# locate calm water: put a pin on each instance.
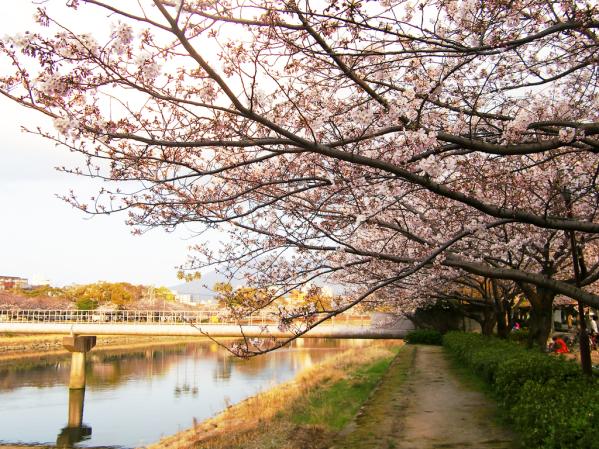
(135, 397)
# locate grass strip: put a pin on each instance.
(381, 412)
(305, 413)
(335, 405)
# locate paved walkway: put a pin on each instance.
(428, 408)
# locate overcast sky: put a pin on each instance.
(43, 237)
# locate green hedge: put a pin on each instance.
(425, 337)
(519, 336)
(550, 402)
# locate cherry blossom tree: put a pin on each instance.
(489, 302)
(544, 253)
(356, 142)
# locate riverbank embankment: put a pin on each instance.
(305, 413)
(379, 397)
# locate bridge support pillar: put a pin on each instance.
(78, 345)
(76, 401)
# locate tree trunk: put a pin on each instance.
(502, 319)
(487, 324)
(509, 312)
(541, 318)
(503, 328)
(579, 271)
(585, 346)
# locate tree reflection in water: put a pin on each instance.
(164, 386)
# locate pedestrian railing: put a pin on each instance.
(204, 317)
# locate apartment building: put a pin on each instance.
(10, 282)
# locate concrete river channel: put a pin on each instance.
(138, 395)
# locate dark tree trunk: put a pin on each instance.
(510, 314)
(580, 271)
(502, 318)
(541, 318)
(503, 328)
(585, 346)
(487, 324)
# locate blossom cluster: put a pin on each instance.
(516, 127)
(362, 116)
(19, 40)
(80, 45)
(122, 35)
(53, 85)
(147, 66)
(66, 126)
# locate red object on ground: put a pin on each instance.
(561, 346)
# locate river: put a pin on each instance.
(136, 396)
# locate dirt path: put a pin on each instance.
(429, 409)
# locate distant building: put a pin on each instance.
(10, 282)
(205, 301)
(39, 282)
(183, 298)
(194, 299)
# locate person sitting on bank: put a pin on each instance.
(559, 345)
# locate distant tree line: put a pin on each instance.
(120, 295)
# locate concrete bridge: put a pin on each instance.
(185, 323)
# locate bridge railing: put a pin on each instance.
(203, 317)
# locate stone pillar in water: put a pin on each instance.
(76, 401)
(78, 345)
(76, 431)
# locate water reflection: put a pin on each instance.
(75, 431)
(136, 396)
(69, 436)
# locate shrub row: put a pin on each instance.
(550, 402)
(519, 336)
(425, 337)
